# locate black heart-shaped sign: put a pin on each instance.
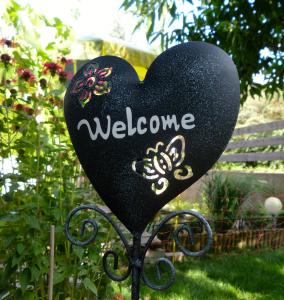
(143, 143)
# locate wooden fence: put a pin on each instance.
(260, 142)
(242, 239)
(233, 240)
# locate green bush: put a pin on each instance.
(41, 179)
(224, 196)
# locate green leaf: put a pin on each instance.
(35, 272)
(151, 23)
(59, 276)
(173, 10)
(24, 62)
(79, 252)
(89, 285)
(33, 222)
(15, 261)
(20, 248)
(50, 46)
(25, 278)
(83, 272)
(7, 241)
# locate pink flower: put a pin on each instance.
(51, 67)
(26, 74)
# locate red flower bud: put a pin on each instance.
(19, 107)
(30, 111)
(43, 83)
(13, 92)
(6, 58)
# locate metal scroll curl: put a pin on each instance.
(137, 260)
(176, 237)
(93, 235)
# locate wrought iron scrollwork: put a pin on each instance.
(171, 279)
(176, 237)
(109, 273)
(136, 253)
(95, 226)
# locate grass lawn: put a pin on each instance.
(247, 275)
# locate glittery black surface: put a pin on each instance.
(196, 78)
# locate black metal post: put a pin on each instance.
(136, 265)
(136, 253)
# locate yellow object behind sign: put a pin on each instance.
(91, 48)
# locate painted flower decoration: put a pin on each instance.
(94, 82)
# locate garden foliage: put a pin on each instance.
(40, 177)
(224, 196)
(250, 31)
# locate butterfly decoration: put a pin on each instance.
(94, 82)
(162, 161)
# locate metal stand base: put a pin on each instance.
(135, 253)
